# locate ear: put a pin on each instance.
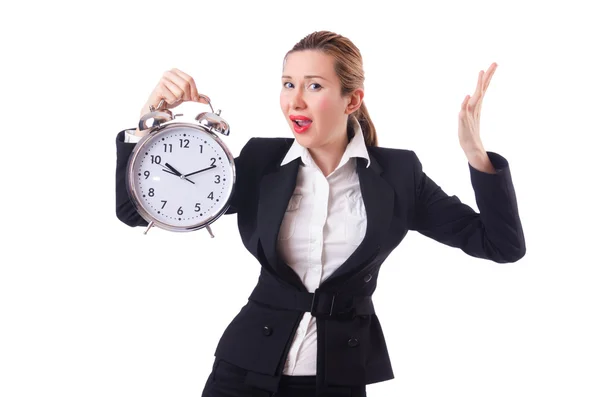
(355, 100)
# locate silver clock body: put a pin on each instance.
(181, 177)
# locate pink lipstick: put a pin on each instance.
(301, 124)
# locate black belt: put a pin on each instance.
(324, 304)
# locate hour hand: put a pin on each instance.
(169, 166)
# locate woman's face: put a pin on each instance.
(311, 91)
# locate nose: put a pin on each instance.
(297, 100)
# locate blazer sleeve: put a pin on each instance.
(242, 178)
(495, 233)
(125, 209)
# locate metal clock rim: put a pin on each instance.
(130, 178)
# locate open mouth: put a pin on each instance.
(302, 123)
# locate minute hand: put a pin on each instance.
(205, 169)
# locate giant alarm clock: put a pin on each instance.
(181, 176)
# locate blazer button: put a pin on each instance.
(368, 278)
(353, 342)
(267, 330)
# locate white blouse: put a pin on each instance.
(324, 223)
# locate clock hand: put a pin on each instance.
(173, 169)
(176, 173)
(195, 172)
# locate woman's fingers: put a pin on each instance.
(161, 91)
(174, 94)
(463, 106)
(490, 73)
(203, 100)
(188, 82)
(483, 81)
(175, 87)
(477, 94)
(487, 77)
(179, 86)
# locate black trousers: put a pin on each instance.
(227, 380)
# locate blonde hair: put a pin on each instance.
(349, 69)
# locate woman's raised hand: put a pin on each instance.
(175, 87)
(470, 110)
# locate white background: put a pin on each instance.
(92, 307)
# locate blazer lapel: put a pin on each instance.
(378, 197)
(276, 189)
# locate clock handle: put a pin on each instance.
(162, 102)
(153, 109)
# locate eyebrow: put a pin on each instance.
(310, 76)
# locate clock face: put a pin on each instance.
(182, 176)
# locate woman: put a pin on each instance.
(309, 326)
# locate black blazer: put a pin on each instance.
(398, 197)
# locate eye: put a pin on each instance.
(287, 82)
(317, 84)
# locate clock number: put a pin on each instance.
(210, 196)
(170, 147)
(213, 161)
(164, 203)
(200, 148)
(146, 174)
(218, 178)
(151, 192)
(179, 211)
(187, 142)
(155, 159)
(197, 207)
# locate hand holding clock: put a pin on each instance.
(175, 148)
(175, 87)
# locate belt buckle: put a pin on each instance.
(341, 315)
(313, 307)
